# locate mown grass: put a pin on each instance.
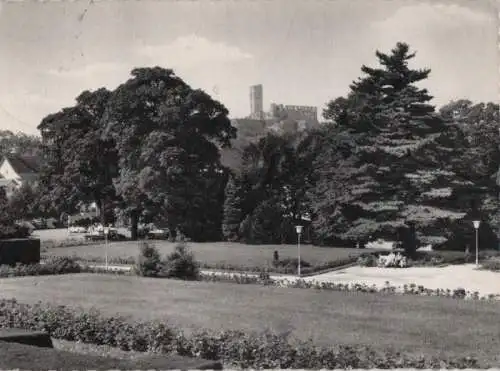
(213, 254)
(416, 325)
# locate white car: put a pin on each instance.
(75, 229)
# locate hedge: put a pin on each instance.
(287, 269)
(407, 289)
(235, 348)
(53, 265)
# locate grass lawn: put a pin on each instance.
(414, 324)
(215, 253)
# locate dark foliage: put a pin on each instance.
(235, 348)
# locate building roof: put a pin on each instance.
(23, 164)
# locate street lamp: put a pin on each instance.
(106, 232)
(476, 227)
(298, 229)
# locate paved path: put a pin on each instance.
(450, 277)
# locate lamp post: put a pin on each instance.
(476, 227)
(298, 229)
(106, 232)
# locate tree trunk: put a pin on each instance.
(134, 223)
(102, 211)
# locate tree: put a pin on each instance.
(20, 143)
(167, 137)
(79, 163)
(263, 225)
(477, 163)
(233, 214)
(267, 195)
(23, 203)
(383, 171)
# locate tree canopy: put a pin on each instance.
(383, 172)
(167, 137)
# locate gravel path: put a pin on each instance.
(449, 277)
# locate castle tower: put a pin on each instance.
(256, 102)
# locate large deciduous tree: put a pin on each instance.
(167, 137)
(79, 164)
(478, 162)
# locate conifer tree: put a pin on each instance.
(384, 172)
(233, 214)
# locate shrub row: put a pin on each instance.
(236, 348)
(70, 242)
(287, 266)
(53, 265)
(492, 264)
(407, 289)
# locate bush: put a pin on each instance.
(54, 265)
(61, 265)
(14, 231)
(148, 262)
(492, 264)
(85, 222)
(392, 261)
(180, 264)
(367, 260)
(292, 263)
(236, 348)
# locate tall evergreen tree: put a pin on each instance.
(386, 174)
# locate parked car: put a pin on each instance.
(97, 233)
(76, 229)
(39, 223)
(158, 234)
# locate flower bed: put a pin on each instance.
(235, 348)
(411, 289)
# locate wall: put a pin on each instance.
(22, 250)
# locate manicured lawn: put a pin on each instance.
(215, 253)
(415, 324)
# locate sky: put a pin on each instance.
(303, 52)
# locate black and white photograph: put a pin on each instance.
(249, 184)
